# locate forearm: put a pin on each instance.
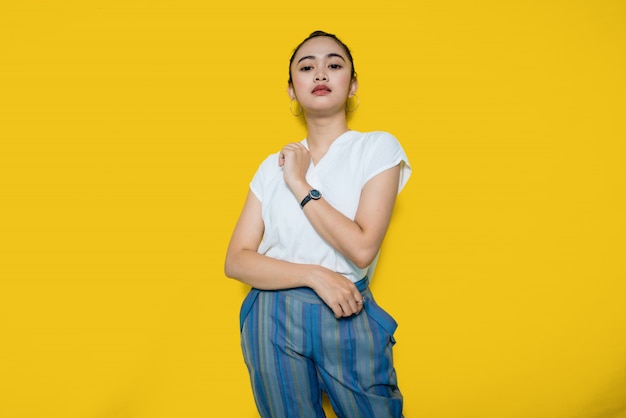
(359, 240)
(341, 232)
(267, 273)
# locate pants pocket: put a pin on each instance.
(381, 317)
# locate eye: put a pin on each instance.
(306, 68)
(335, 66)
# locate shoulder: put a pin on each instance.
(376, 136)
(268, 168)
(270, 163)
(377, 140)
(382, 150)
(270, 160)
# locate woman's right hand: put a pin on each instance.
(295, 159)
(339, 293)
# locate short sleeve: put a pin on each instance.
(386, 152)
(259, 179)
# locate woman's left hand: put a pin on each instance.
(295, 160)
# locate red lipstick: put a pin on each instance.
(321, 90)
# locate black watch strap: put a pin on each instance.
(314, 194)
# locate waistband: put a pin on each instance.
(308, 295)
(303, 293)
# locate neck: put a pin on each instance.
(322, 131)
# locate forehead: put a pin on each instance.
(319, 47)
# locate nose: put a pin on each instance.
(321, 76)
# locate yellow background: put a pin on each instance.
(129, 131)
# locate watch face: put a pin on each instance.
(315, 194)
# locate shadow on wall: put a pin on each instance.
(610, 404)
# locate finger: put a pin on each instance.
(281, 160)
(337, 310)
(360, 303)
(354, 302)
(292, 146)
(287, 152)
(352, 308)
(348, 308)
(295, 148)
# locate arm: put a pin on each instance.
(358, 240)
(245, 264)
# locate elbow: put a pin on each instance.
(364, 258)
(229, 267)
(361, 265)
(228, 271)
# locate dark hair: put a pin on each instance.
(319, 33)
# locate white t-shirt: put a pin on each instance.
(350, 162)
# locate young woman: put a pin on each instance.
(310, 229)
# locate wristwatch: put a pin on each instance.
(313, 194)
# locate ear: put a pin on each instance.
(291, 92)
(354, 86)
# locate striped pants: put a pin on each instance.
(295, 348)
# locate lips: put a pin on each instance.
(321, 89)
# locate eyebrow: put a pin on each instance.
(332, 54)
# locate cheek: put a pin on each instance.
(345, 83)
(348, 80)
(299, 85)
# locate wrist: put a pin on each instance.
(313, 194)
(313, 275)
(300, 190)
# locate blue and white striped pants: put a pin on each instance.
(295, 348)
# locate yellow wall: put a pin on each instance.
(129, 131)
